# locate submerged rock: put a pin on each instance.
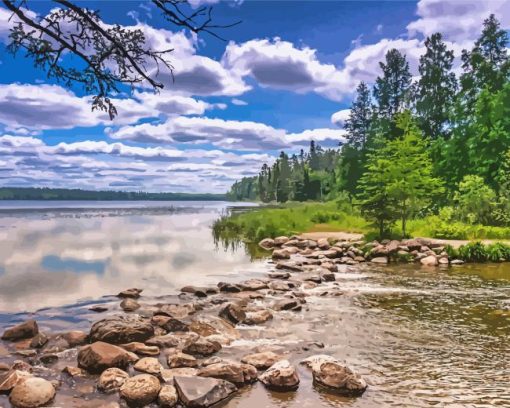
(281, 376)
(258, 317)
(380, 260)
(122, 329)
(201, 392)
(233, 313)
(21, 331)
(267, 243)
(140, 390)
(32, 393)
(335, 376)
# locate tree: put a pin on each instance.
(474, 200)
(109, 56)
(487, 65)
(359, 121)
(436, 88)
(392, 90)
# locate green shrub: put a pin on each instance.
(498, 252)
(473, 252)
(475, 200)
(324, 217)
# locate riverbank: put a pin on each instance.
(340, 217)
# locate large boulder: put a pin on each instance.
(99, 356)
(140, 390)
(281, 376)
(199, 392)
(236, 373)
(122, 329)
(262, 360)
(112, 379)
(341, 379)
(32, 393)
(21, 331)
(168, 397)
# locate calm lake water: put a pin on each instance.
(421, 337)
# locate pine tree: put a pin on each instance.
(358, 123)
(436, 88)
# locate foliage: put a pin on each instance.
(473, 252)
(474, 200)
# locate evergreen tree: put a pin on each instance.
(436, 88)
(392, 90)
(358, 123)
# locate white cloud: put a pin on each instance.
(339, 118)
(458, 20)
(239, 102)
(327, 137)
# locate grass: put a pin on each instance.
(295, 218)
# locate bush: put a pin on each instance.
(324, 217)
(475, 200)
(473, 252)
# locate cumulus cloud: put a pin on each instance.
(458, 20)
(339, 118)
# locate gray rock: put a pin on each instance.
(201, 392)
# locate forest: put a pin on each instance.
(437, 144)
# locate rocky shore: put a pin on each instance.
(179, 354)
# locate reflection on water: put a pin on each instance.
(421, 337)
(53, 257)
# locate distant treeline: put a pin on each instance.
(30, 193)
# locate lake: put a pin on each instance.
(421, 337)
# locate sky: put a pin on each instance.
(285, 75)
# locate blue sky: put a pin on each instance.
(285, 75)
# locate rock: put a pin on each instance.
(258, 317)
(280, 254)
(333, 375)
(287, 304)
(281, 376)
(74, 371)
(443, 261)
(168, 397)
(327, 276)
(312, 361)
(262, 360)
(202, 347)
(201, 292)
(98, 309)
(202, 392)
(323, 243)
(233, 313)
(141, 349)
(229, 287)
(170, 324)
(129, 305)
(48, 358)
(4, 367)
(179, 360)
(149, 365)
(39, 340)
(281, 285)
(457, 262)
(26, 353)
(21, 366)
(430, 260)
(31, 393)
(212, 325)
(99, 356)
(330, 253)
(140, 390)
(331, 267)
(289, 265)
(172, 340)
(122, 329)
(236, 373)
(133, 293)
(382, 260)
(75, 338)
(267, 243)
(279, 275)
(11, 378)
(169, 375)
(278, 241)
(253, 284)
(112, 379)
(179, 311)
(21, 331)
